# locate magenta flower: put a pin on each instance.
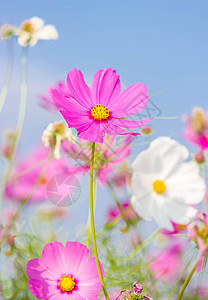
(198, 232)
(49, 102)
(101, 109)
(64, 273)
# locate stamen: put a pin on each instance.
(100, 112)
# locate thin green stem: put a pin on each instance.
(88, 240)
(92, 221)
(20, 122)
(23, 97)
(4, 90)
(186, 282)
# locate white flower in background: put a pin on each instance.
(164, 186)
(54, 135)
(6, 31)
(32, 30)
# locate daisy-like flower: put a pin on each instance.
(54, 135)
(33, 30)
(64, 273)
(164, 186)
(101, 109)
(198, 232)
(49, 102)
(6, 31)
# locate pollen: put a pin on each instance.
(159, 186)
(100, 112)
(67, 283)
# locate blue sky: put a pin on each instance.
(161, 43)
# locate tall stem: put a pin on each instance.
(187, 282)
(92, 221)
(20, 122)
(4, 90)
(23, 97)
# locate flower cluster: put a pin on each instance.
(29, 32)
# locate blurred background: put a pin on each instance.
(161, 43)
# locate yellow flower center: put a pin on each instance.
(28, 27)
(100, 112)
(159, 186)
(67, 283)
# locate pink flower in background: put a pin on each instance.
(49, 102)
(101, 109)
(129, 214)
(107, 156)
(196, 128)
(198, 232)
(25, 175)
(64, 273)
(167, 266)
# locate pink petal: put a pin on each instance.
(43, 289)
(54, 258)
(131, 101)
(36, 269)
(78, 89)
(80, 123)
(105, 86)
(110, 128)
(77, 256)
(89, 282)
(130, 123)
(93, 133)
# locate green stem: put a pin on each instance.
(88, 240)
(187, 282)
(5, 87)
(23, 98)
(92, 221)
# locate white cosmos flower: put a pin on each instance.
(164, 186)
(6, 31)
(32, 30)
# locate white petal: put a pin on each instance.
(37, 23)
(186, 185)
(180, 213)
(159, 212)
(23, 39)
(141, 206)
(48, 32)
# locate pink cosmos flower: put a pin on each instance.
(25, 175)
(199, 234)
(49, 102)
(107, 156)
(64, 273)
(196, 128)
(167, 266)
(101, 109)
